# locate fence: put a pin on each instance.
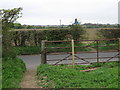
(97, 50)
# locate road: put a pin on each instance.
(33, 61)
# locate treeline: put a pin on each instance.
(34, 37)
(90, 25)
(86, 25)
(19, 26)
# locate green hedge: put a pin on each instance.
(34, 37)
(12, 72)
(109, 33)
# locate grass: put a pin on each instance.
(64, 76)
(0, 73)
(12, 72)
(66, 44)
(27, 50)
(105, 45)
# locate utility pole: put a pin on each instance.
(60, 22)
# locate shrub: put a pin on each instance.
(109, 33)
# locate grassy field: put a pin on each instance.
(64, 76)
(12, 72)
(91, 33)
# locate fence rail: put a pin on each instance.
(114, 44)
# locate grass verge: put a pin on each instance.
(64, 76)
(12, 72)
(27, 50)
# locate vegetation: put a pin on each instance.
(105, 45)
(29, 42)
(27, 50)
(34, 37)
(109, 33)
(90, 25)
(12, 72)
(56, 46)
(86, 25)
(64, 76)
(12, 67)
(8, 17)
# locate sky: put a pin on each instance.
(51, 12)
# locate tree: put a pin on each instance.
(77, 31)
(8, 18)
(18, 26)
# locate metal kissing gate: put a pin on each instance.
(82, 51)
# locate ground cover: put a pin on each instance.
(12, 72)
(64, 76)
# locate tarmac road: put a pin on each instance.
(33, 61)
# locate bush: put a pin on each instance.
(109, 33)
(12, 72)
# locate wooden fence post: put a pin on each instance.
(119, 49)
(43, 52)
(73, 52)
(97, 51)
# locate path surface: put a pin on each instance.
(29, 80)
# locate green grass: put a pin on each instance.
(12, 72)
(64, 76)
(66, 44)
(105, 45)
(27, 50)
(0, 73)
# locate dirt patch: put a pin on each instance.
(29, 80)
(88, 70)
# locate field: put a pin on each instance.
(92, 33)
(64, 76)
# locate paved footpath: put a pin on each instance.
(33, 61)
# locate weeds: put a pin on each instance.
(63, 76)
(12, 72)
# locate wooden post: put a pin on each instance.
(73, 52)
(97, 52)
(43, 52)
(119, 49)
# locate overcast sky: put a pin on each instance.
(50, 12)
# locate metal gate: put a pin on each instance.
(86, 51)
